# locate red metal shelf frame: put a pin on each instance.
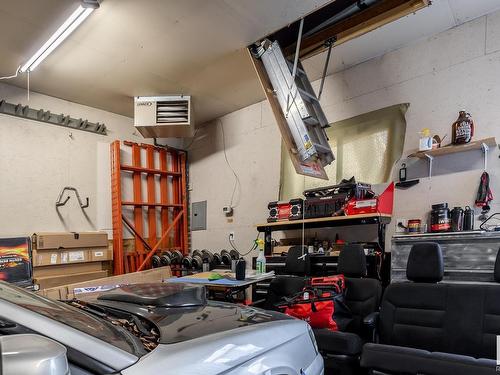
(172, 208)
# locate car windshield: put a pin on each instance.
(73, 317)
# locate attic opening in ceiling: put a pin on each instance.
(294, 103)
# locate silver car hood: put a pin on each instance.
(285, 345)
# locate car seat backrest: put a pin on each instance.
(362, 294)
(296, 263)
(282, 286)
(352, 261)
(452, 318)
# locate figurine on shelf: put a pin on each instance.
(462, 129)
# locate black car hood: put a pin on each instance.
(184, 323)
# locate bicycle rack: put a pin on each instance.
(60, 202)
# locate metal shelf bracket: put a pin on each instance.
(485, 149)
(430, 159)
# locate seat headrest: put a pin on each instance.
(296, 263)
(425, 263)
(352, 261)
(497, 268)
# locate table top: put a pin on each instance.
(202, 278)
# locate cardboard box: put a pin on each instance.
(53, 257)
(91, 288)
(101, 254)
(277, 250)
(53, 281)
(69, 240)
(67, 269)
(290, 241)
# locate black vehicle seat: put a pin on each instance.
(297, 261)
(297, 266)
(282, 286)
(341, 350)
(433, 328)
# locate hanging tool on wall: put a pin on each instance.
(484, 195)
(60, 202)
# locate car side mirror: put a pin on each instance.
(31, 354)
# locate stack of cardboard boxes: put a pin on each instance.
(65, 258)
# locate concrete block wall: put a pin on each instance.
(440, 75)
(37, 160)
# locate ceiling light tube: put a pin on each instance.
(76, 18)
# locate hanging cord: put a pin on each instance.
(236, 178)
(14, 75)
(254, 246)
(304, 252)
(192, 141)
(28, 84)
(329, 43)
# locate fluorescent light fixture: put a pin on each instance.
(76, 18)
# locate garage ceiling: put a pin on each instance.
(147, 47)
(196, 47)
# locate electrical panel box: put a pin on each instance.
(199, 215)
(164, 116)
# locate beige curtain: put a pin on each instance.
(365, 146)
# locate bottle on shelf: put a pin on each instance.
(261, 259)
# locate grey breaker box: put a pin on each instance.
(299, 105)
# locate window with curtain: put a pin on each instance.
(365, 146)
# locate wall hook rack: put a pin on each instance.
(60, 202)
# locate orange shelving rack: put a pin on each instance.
(156, 172)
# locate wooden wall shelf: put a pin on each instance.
(481, 144)
(452, 149)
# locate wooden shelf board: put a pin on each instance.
(452, 149)
(325, 220)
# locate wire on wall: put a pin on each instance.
(236, 178)
(14, 75)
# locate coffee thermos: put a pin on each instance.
(240, 269)
(457, 219)
(468, 218)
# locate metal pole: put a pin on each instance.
(295, 63)
(325, 68)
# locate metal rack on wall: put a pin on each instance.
(170, 212)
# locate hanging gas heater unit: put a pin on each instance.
(164, 116)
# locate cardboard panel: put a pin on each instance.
(101, 254)
(68, 240)
(92, 287)
(54, 257)
(67, 269)
(50, 282)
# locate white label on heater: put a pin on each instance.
(99, 253)
(366, 203)
(53, 258)
(64, 257)
(76, 256)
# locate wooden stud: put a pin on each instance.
(137, 187)
(151, 198)
(360, 23)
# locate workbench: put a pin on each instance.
(228, 287)
(381, 220)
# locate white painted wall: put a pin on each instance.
(440, 75)
(37, 160)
